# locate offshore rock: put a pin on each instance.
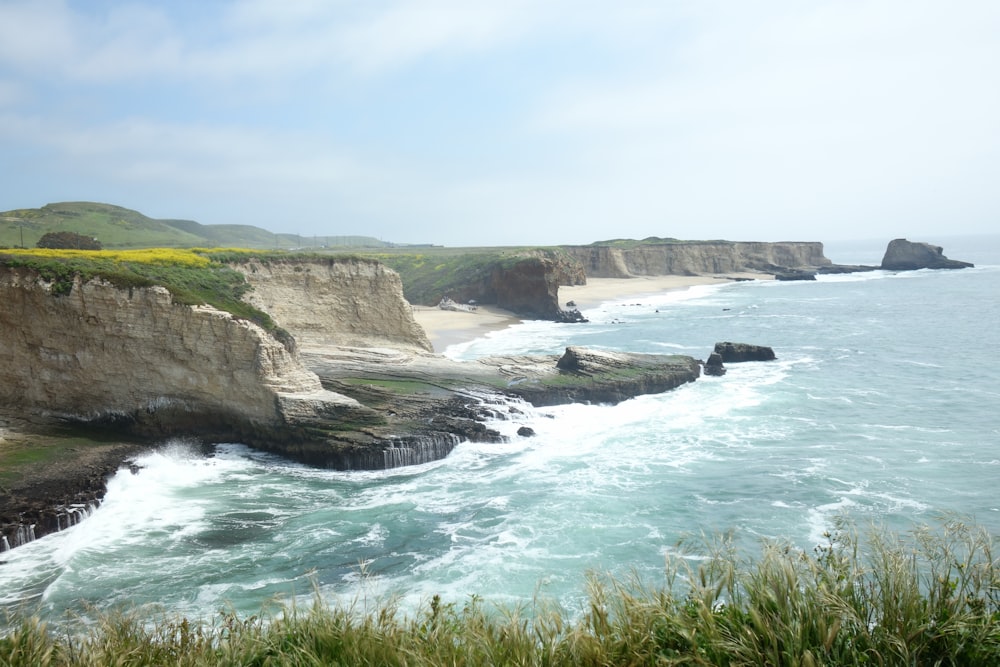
(714, 365)
(599, 376)
(733, 353)
(795, 274)
(903, 255)
(526, 283)
(571, 316)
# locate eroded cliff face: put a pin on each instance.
(697, 257)
(345, 302)
(131, 357)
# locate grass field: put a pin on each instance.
(118, 227)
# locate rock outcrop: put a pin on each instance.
(795, 274)
(528, 287)
(903, 255)
(714, 365)
(335, 301)
(734, 353)
(587, 375)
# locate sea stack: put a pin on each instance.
(903, 255)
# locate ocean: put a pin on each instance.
(881, 409)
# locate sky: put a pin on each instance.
(511, 122)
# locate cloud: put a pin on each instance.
(512, 120)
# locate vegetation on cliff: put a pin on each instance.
(462, 274)
(929, 598)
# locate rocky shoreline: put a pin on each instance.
(429, 404)
(212, 376)
(54, 493)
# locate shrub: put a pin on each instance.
(68, 240)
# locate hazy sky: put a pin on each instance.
(475, 122)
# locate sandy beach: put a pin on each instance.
(447, 327)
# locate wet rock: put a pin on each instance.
(795, 274)
(713, 366)
(733, 353)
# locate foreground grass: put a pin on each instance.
(932, 598)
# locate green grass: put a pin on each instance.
(118, 227)
(931, 598)
(432, 273)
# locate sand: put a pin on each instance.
(446, 327)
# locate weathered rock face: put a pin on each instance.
(101, 354)
(697, 257)
(353, 302)
(529, 287)
(903, 255)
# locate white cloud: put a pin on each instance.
(718, 115)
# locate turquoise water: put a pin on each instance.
(882, 406)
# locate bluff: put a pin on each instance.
(695, 257)
(526, 281)
(134, 360)
(326, 301)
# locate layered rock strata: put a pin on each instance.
(132, 359)
(336, 301)
(697, 258)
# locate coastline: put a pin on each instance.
(447, 327)
(76, 466)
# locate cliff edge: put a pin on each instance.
(334, 301)
(653, 258)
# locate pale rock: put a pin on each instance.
(335, 302)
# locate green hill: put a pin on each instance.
(117, 227)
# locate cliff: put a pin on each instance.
(327, 301)
(695, 257)
(131, 358)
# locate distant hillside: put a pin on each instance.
(117, 227)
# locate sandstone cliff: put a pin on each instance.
(335, 301)
(133, 358)
(696, 257)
